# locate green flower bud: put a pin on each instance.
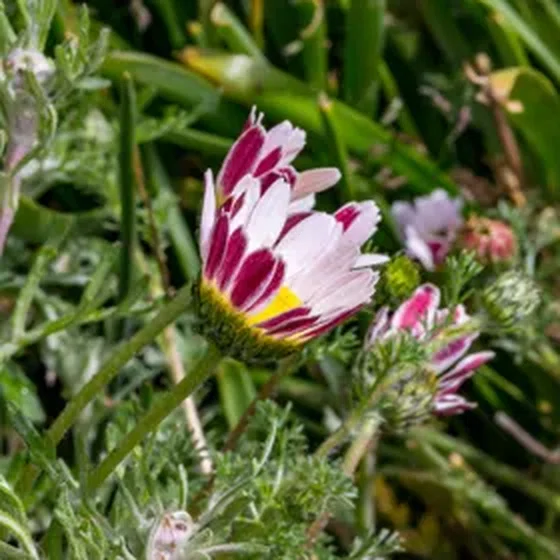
(409, 401)
(511, 299)
(400, 278)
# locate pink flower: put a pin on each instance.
(492, 240)
(420, 315)
(268, 156)
(288, 276)
(429, 226)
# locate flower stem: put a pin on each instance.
(360, 446)
(167, 315)
(147, 424)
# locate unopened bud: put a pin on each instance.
(400, 278)
(512, 298)
(492, 241)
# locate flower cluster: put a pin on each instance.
(425, 321)
(277, 273)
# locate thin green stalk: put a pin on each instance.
(147, 424)
(365, 504)
(360, 445)
(338, 150)
(233, 32)
(167, 315)
(127, 184)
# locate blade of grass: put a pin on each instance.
(363, 48)
(127, 186)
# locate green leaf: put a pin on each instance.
(16, 388)
(281, 96)
(176, 84)
(365, 39)
(236, 389)
(530, 100)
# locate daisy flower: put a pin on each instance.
(275, 275)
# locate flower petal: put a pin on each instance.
(252, 278)
(218, 241)
(447, 356)
(417, 248)
(315, 180)
(241, 158)
(269, 216)
(305, 241)
(208, 214)
(234, 252)
(370, 259)
(448, 405)
(420, 307)
(359, 221)
(467, 365)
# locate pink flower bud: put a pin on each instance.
(492, 240)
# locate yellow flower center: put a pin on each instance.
(284, 300)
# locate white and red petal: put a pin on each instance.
(241, 158)
(275, 281)
(420, 308)
(329, 323)
(359, 221)
(451, 353)
(217, 246)
(208, 215)
(234, 252)
(448, 405)
(468, 365)
(252, 278)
